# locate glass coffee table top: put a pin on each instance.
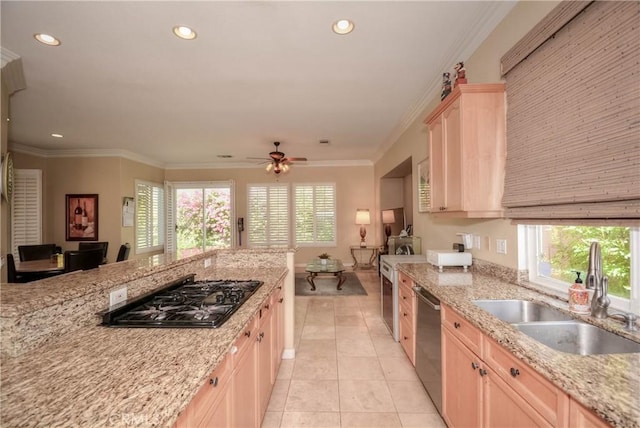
(331, 267)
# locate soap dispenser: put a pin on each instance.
(578, 297)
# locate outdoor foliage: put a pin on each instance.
(570, 253)
(203, 219)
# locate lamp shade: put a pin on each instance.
(388, 217)
(362, 216)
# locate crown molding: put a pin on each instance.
(245, 165)
(12, 71)
(468, 42)
(7, 56)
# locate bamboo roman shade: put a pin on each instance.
(573, 118)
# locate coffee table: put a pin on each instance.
(332, 267)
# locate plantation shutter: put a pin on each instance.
(268, 215)
(149, 217)
(573, 133)
(170, 215)
(26, 209)
(315, 212)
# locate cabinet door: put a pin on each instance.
(461, 384)
(244, 396)
(503, 407)
(278, 333)
(436, 166)
(580, 416)
(453, 157)
(263, 343)
(219, 415)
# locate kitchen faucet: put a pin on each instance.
(596, 281)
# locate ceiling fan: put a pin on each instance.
(278, 162)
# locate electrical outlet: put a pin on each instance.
(477, 242)
(207, 262)
(501, 246)
(118, 296)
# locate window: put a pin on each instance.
(315, 214)
(26, 208)
(203, 214)
(555, 253)
(149, 217)
(268, 215)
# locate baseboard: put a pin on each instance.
(289, 354)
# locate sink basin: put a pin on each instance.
(517, 311)
(576, 337)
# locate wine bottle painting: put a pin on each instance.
(82, 218)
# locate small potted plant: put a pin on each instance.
(323, 258)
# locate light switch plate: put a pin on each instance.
(118, 296)
(207, 262)
(501, 246)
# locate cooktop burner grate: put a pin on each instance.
(184, 303)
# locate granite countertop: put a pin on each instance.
(607, 384)
(99, 376)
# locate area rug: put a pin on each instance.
(326, 286)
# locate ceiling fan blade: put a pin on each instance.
(292, 159)
(262, 159)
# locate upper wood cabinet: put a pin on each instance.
(467, 152)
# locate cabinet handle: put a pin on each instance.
(405, 314)
(474, 366)
(514, 372)
(405, 338)
(482, 372)
(456, 324)
(266, 306)
(404, 297)
(279, 287)
(247, 333)
(261, 335)
(214, 381)
(281, 300)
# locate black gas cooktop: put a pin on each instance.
(184, 303)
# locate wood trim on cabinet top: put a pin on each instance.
(476, 88)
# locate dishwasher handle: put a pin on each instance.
(425, 297)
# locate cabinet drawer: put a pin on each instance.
(542, 395)
(408, 339)
(462, 329)
(207, 396)
(245, 341)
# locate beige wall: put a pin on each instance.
(354, 189)
(482, 67)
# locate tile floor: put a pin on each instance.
(348, 371)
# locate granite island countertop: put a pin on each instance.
(100, 376)
(607, 384)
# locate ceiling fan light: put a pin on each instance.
(285, 168)
(269, 167)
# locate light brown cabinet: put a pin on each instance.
(467, 152)
(485, 386)
(580, 416)
(407, 316)
(237, 392)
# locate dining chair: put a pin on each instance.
(92, 245)
(123, 252)
(36, 252)
(12, 275)
(82, 259)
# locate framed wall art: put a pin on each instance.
(424, 187)
(82, 218)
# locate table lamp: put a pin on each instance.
(362, 218)
(388, 218)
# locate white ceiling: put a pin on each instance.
(258, 72)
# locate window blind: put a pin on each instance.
(573, 128)
(170, 215)
(315, 214)
(268, 215)
(26, 209)
(149, 217)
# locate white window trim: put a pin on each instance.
(528, 250)
(335, 215)
(161, 227)
(22, 175)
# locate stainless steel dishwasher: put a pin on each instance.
(428, 347)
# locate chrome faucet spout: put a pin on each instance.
(599, 283)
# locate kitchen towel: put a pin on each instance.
(326, 286)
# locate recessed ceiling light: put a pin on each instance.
(57, 135)
(343, 26)
(47, 39)
(184, 32)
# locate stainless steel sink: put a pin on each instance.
(517, 311)
(577, 337)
